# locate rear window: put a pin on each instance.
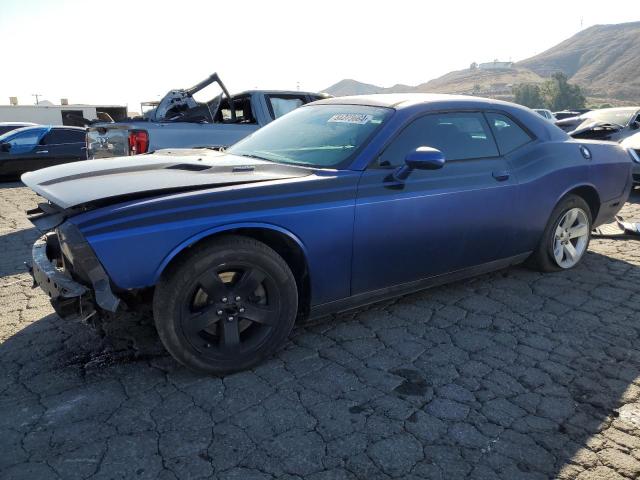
(281, 105)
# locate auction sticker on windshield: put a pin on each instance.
(358, 118)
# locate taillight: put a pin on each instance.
(138, 142)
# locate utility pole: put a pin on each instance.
(36, 95)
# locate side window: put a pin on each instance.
(507, 132)
(459, 136)
(280, 105)
(60, 135)
(25, 139)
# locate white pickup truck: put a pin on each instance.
(179, 121)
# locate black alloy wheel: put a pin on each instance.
(226, 305)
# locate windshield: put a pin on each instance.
(323, 136)
(618, 116)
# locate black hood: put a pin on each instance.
(88, 181)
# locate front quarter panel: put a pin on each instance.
(136, 240)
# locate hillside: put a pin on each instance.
(479, 81)
(352, 87)
(461, 81)
(603, 59)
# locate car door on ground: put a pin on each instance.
(438, 221)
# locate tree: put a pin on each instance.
(559, 94)
(528, 94)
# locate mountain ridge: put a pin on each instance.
(602, 59)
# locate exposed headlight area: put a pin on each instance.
(82, 264)
(65, 266)
(73, 249)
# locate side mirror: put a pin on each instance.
(5, 147)
(635, 125)
(422, 158)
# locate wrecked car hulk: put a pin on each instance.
(340, 203)
(614, 124)
(632, 144)
(180, 121)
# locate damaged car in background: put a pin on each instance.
(340, 203)
(181, 121)
(614, 124)
(632, 144)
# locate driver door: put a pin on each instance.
(436, 221)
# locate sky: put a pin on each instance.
(128, 51)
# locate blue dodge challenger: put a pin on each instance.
(340, 203)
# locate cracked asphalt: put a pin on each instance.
(512, 375)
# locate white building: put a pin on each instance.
(495, 65)
(48, 114)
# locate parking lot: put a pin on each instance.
(510, 375)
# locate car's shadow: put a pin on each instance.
(14, 246)
(509, 374)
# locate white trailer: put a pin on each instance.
(59, 114)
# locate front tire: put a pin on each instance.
(566, 236)
(226, 305)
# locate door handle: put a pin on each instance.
(42, 151)
(501, 175)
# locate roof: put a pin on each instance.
(404, 100)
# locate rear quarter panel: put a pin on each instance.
(611, 165)
(547, 171)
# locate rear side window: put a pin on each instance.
(58, 136)
(509, 135)
(460, 136)
(281, 105)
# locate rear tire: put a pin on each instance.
(566, 236)
(226, 305)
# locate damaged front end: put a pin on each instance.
(65, 267)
